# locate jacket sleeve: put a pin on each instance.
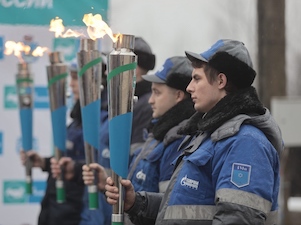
(233, 214)
(146, 207)
(78, 177)
(247, 180)
(47, 167)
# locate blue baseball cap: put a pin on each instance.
(175, 72)
(230, 57)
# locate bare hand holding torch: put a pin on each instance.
(112, 193)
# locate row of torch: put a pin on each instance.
(121, 82)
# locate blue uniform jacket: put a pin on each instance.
(75, 142)
(228, 177)
(231, 166)
(228, 172)
(151, 165)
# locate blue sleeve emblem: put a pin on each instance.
(240, 175)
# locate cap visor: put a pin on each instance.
(152, 78)
(195, 57)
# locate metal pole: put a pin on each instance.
(121, 84)
(89, 78)
(24, 83)
(57, 74)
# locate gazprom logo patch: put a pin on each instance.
(193, 184)
(240, 175)
(105, 153)
(141, 176)
(14, 192)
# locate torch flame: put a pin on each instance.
(56, 25)
(71, 33)
(96, 28)
(39, 51)
(16, 48)
(19, 48)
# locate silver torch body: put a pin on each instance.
(122, 63)
(57, 76)
(89, 78)
(24, 86)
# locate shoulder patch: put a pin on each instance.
(240, 174)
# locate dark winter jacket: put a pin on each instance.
(142, 112)
(67, 213)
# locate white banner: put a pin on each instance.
(13, 200)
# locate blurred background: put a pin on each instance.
(269, 29)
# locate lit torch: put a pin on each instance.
(89, 78)
(57, 74)
(122, 63)
(24, 86)
(24, 82)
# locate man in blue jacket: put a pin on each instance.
(151, 169)
(229, 171)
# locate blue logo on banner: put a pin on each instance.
(1, 47)
(38, 191)
(240, 175)
(68, 47)
(14, 192)
(1, 143)
(41, 98)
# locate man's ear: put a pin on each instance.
(221, 80)
(180, 95)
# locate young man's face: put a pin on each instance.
(162, 99)
(203, 94)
